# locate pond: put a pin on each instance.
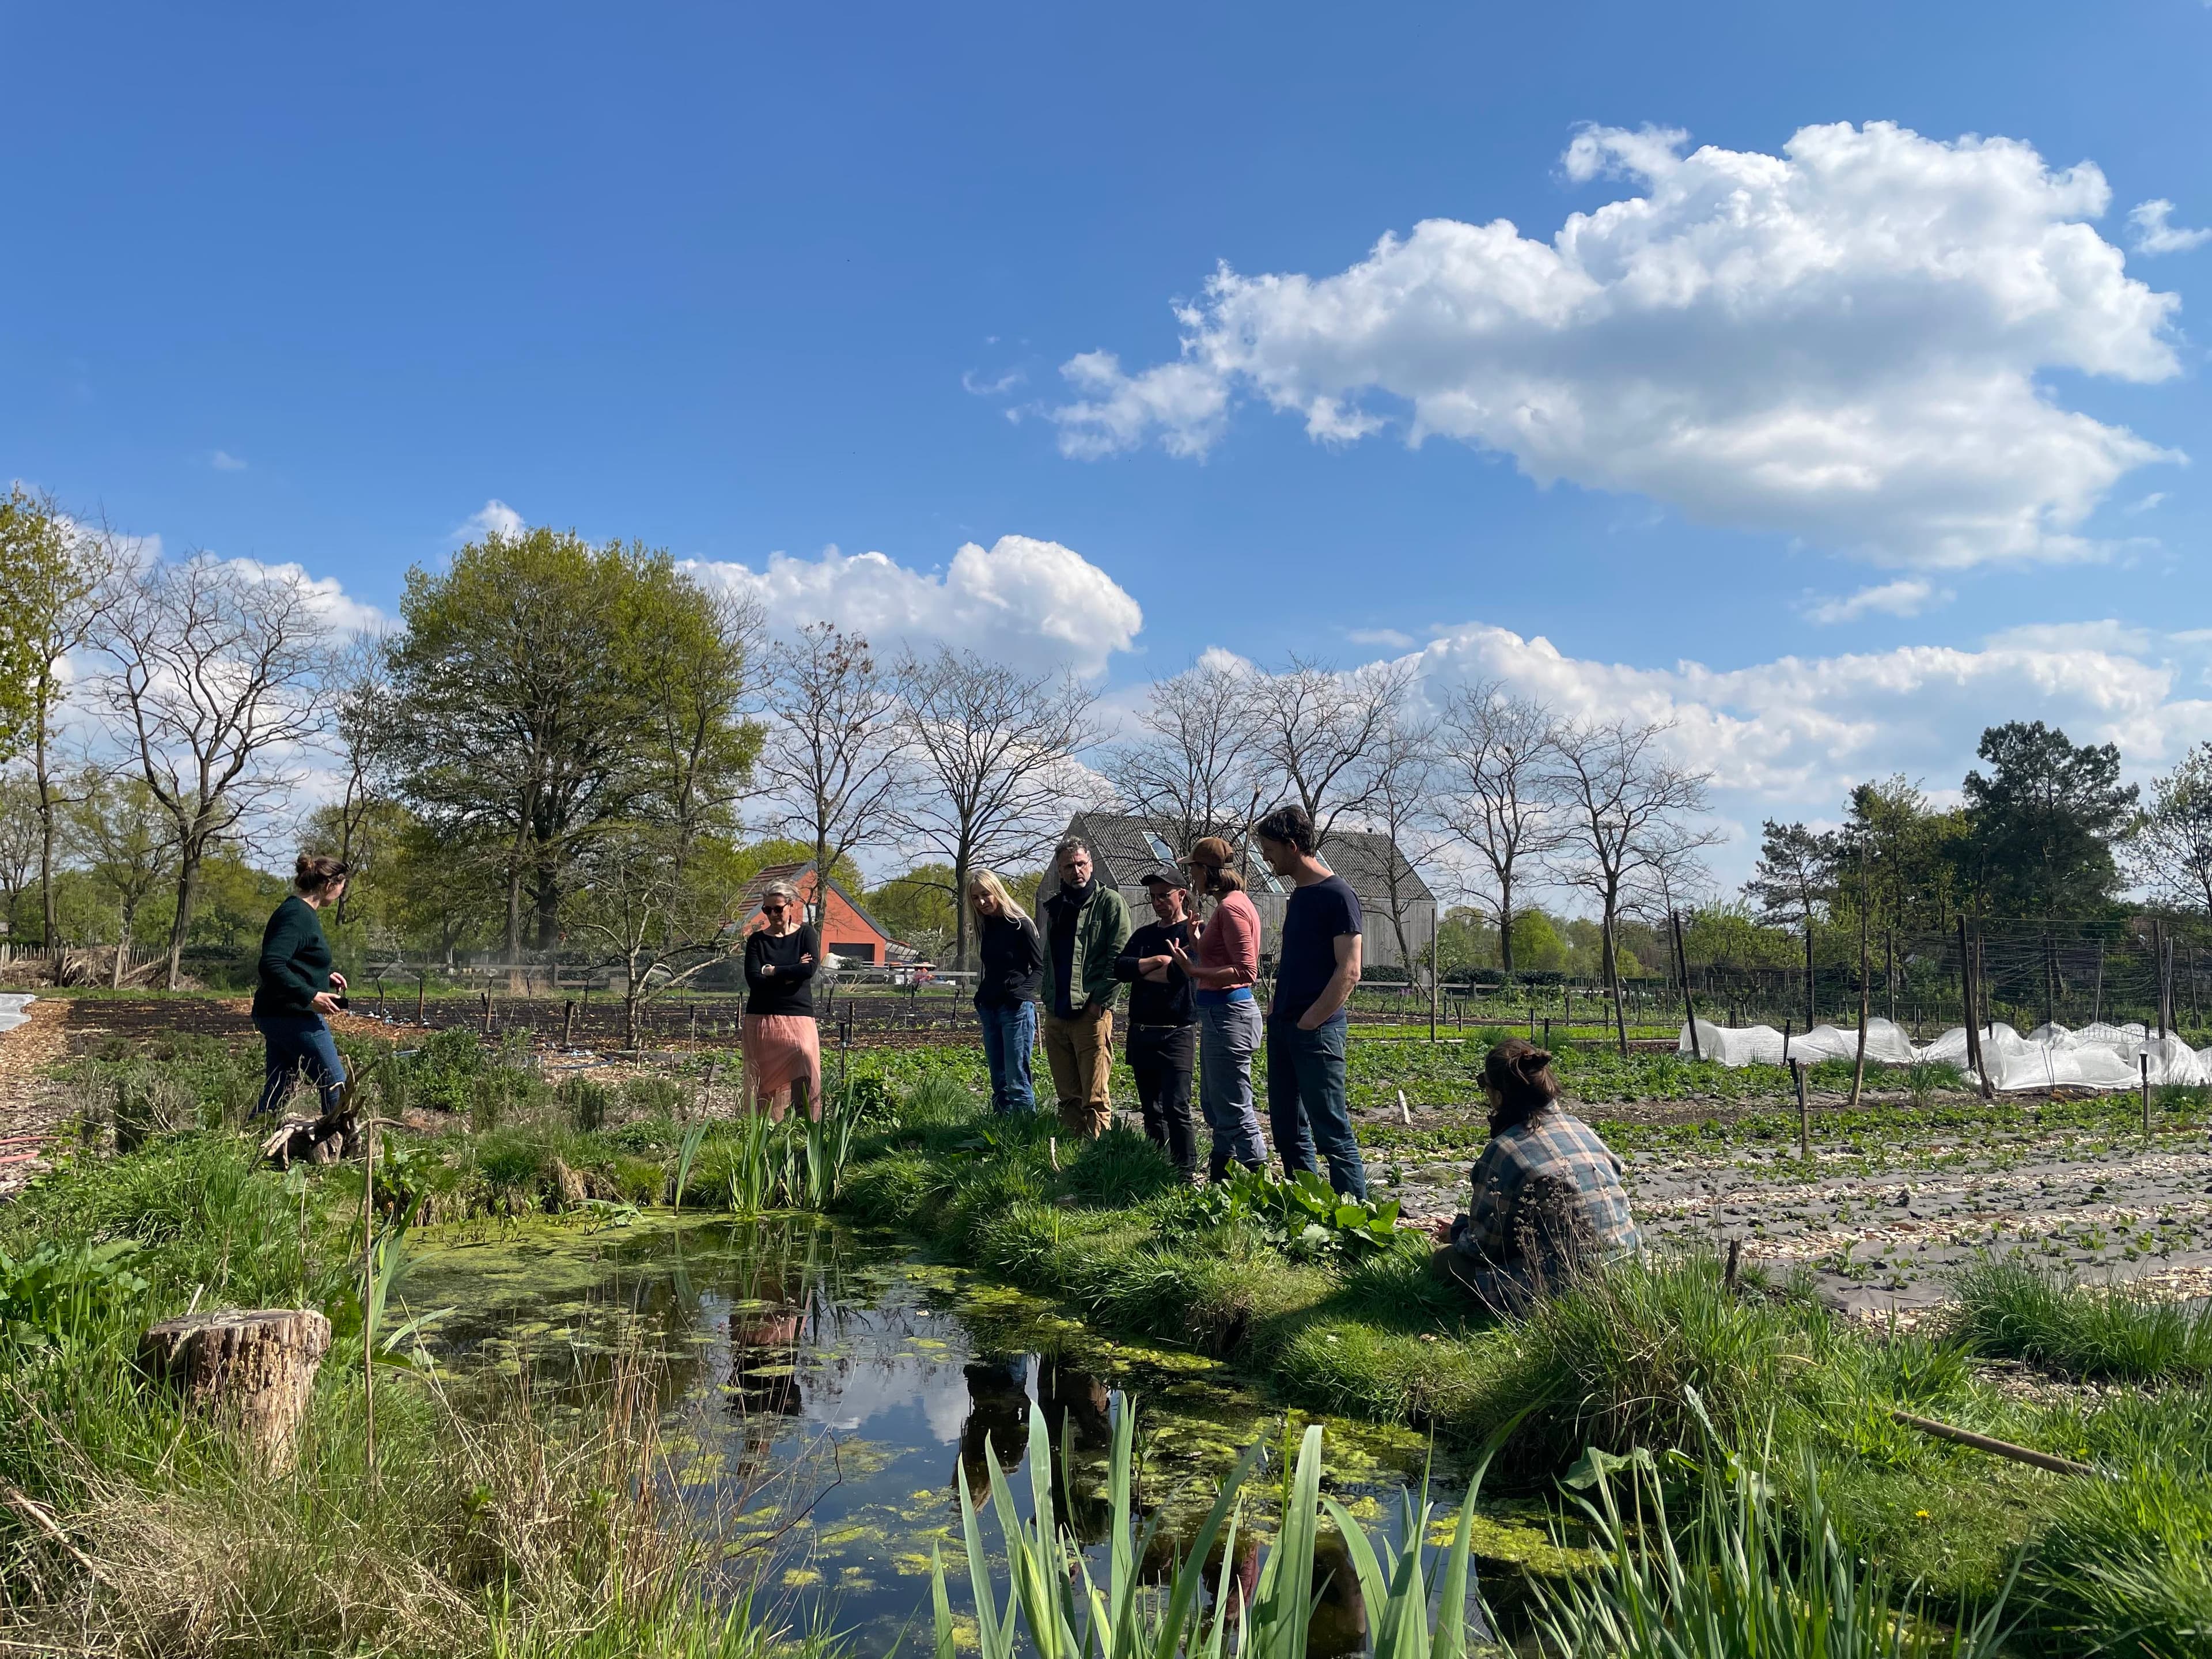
(822, 1390)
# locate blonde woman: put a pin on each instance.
(782, 1042)
(1006, 990)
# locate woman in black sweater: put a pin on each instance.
(782, 1042)
(294, 988)
(1007, 990)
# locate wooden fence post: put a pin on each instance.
(487, 1014)
(567, 1020)
(1804, 1112)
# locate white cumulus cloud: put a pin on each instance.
(2154, 235)
(1908, 596)
(1841, 342)
(1033, 602)
(1787, 738)
(495, 516)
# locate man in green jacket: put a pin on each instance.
(1086, 926)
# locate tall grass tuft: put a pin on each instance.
(938, 1100)
(1620, 1357)
(2126, 1568)
(1120, 1169)
(1051, 1596)
(2007, 1309)
(1739, 1582)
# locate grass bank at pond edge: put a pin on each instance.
(1612, 1364)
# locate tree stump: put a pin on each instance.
(252, 1369)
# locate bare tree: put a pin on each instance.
(666, 911)
(217, 671)
(57, 575)
(2169, 849)
(1626, 803)
(1398, 778)
(1316, 728)
(835, 755)
(363, 719)
(1189, 771)
(1494, 763)
(995, 750)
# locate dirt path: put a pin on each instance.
(31, 1105)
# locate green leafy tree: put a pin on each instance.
(916, 906)
(1537, 947)
(19, 845)
(1794, 884)
(2042, 822)
(234, 902)
(54, 577)
(1730, 936)
(126, 841)
(547, 688)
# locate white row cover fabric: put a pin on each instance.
(12, 1006)
(2098, 1056)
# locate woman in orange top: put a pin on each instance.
(1229, 1028)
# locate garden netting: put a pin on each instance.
(2098, 1056)
(13, 1010)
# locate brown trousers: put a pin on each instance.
(1080, 1054)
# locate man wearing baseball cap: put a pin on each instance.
(1163, 1045)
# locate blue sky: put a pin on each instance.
(739, 282)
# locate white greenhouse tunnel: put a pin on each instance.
(2097, 1056)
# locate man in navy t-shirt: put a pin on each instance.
(1316, 965)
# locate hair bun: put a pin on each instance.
(1534, 1061)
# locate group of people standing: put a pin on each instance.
(1548, 1197)
(1193, 1014)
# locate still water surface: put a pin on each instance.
(822, 1390)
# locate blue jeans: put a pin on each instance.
(1228, 1035)
(297, 1043)
(1009, 1036)
(1306, 1102)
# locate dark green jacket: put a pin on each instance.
(1101, 928)
(295, 963)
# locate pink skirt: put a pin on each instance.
(779, 1049)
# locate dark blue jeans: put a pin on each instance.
(297, 1045)
(1306, 1103)
(1009, 1038)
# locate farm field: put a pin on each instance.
(822, 1320)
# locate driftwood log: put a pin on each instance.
(325, 1140)
(252, 1369)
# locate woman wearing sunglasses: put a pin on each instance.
(782, 1042)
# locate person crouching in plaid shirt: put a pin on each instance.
(1548, 1201)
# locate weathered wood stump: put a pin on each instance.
(253, 1369)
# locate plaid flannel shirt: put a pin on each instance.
(1547, 1193)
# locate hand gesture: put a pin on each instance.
(337, 981)
(326, 1002)
(1181, 957)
